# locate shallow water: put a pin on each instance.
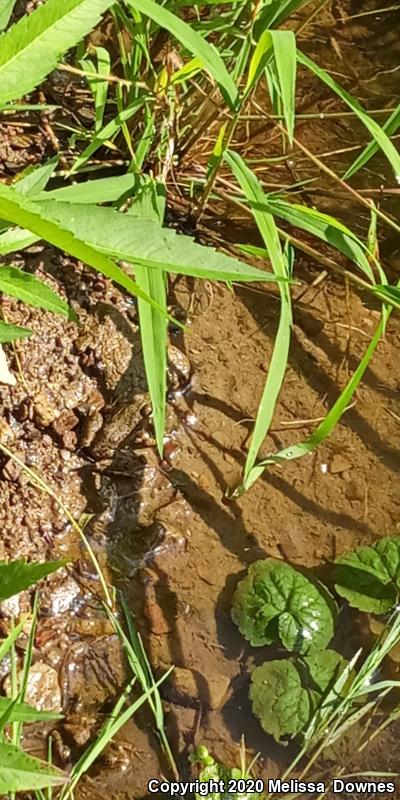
(167, 533)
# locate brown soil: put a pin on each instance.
(166, 533)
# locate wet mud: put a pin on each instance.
(166, 533)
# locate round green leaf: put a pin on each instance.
(279, 700)
(369, 578)
(285, 694)
(275, 601)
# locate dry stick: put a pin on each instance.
(341, 182)
(107, 78)
(44, 487)
(312, 16)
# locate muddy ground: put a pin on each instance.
(166, 533)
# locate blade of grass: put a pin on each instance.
(194, 43)
(107, 133)
(390, 127)
(379, 135)
(329, 423)
(266, 225)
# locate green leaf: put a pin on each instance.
(153, 325)
(34, 179)
(7, 7)
(277, 367)
(279, 700)
(101, 190)
(16, 576)
(107, 133)
(390, 127)
(147, 243)
(31, 48)
(329, 423)
(18, 210)
(275, 601)
(22, 712)
(15, 239)
(17, 283)
(369, 577)
(325, 227)
(276, 11)
(99, 86)
(379, 135)
(10, 333)
(22, 773)
(286, 694)
(323, 667)
(194, 43)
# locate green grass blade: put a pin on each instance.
(329, 423)
(17, 210)
(324, 227)
(100, 190)
(194, 43)
(105, 736)
(276, 373)
(100, 87)
(390, 127)
(31, 48)
(107, 133)
(284, 44)
(150, 204)
(153, 331)
(277, 11)
(379, 135)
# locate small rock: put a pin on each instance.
(43, 690)
(44, 411)
(339, 464)
(355, 490)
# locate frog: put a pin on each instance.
(125, 418)
(130, 415)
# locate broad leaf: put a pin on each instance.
(275, 601)
(15, 239)
(279, 700)
(101, 190)
(147, 243)
(17, 209)
(22, 773)
(31, 48)
(285, 694)
(17, 283)
(369, 577)
(16, 576)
